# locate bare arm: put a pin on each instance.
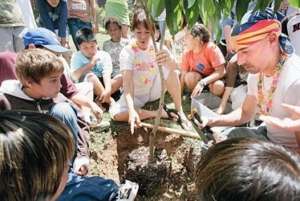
(224, 100)
(239, 116)
(216, 75)
(107, 81)
(133, 117)
(84, 101)
(227, 34)
(128, 89)
(76, 74)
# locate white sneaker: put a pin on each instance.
(128, 191)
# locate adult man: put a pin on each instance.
(263, 51)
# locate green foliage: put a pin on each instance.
(295, 3)
(210, 11)
(241, 8)
(174, 15)
(155, 7)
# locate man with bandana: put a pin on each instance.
(272, 85)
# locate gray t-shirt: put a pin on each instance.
(114, 49)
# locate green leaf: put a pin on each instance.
(226, 6)
(174, 15)
(277, 4)
(191, 3)
(192, 14)
(156, 8)
(262, 4)
(295, 3)
(241, 8)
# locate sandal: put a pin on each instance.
(174, 115)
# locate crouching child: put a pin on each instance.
(38, 72)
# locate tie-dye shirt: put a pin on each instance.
(143, 65)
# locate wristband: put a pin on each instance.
(202, 83)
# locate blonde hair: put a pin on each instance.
(34, 153)
(36, 64)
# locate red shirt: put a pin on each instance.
(7, 66)
(204, 62)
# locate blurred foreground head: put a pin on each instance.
(244, 169)
(35, 150)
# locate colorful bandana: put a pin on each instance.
(258, 26)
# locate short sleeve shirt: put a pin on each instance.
(204, 62)
(114, 50)
(143, 65)
(103, 65)
(68, 88)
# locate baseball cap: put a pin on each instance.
(45, 38)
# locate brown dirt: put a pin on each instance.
(110, 153)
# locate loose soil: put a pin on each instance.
(119, 155)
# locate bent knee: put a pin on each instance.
(91, 77)
(191, 79)
(123, 117)
(217, 88)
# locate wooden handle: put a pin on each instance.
(173, 131)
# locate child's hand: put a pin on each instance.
(95, 59)
(133, 120)
(97, 111)
(105, 96)
(163, 58)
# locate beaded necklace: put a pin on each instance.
(265, 102)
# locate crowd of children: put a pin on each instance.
(43, 88)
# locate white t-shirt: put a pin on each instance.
(143, 65)
(293, 28)
(286, 92)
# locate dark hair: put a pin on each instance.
(34, 152)
(200, 31)
(112, 20)
(36, 64)
(85, 35)
(140, 18)
(244, 169)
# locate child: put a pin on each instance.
(203, 63)
(141, 79)
(35, 154)
(93, 65)
(38, 85)
(115, 44)
(119, 9)
(82, 93)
